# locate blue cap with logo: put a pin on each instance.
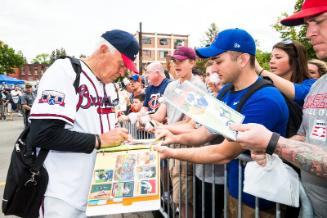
(126, 44)
(229, 40)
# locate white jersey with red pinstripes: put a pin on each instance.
(89, 111)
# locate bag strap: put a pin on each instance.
(76, 64)
(40, 159)
(260, 83)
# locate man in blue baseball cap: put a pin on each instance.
(233, 52)
(73, 121)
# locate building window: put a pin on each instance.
(146, 53)
(146, 40)
(163, 54)
(178, 42)
(163, 41)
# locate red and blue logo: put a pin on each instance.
(52, 97)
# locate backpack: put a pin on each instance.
(294, 110)
(27, 179)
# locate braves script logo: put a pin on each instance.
(86, 100)
(52, 97)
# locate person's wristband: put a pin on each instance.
(272, 143)
(99, 142)
(261, 72)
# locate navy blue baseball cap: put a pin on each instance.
(229, 40)
(126, 44)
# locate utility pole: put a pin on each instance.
(140, 51)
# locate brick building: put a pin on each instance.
(30, 72)
(156, 46)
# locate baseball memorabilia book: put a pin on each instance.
(125, 179)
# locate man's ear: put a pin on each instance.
(192, 62)
(243, 59)
(103, 48)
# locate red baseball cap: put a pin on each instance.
(183, 53)
(309, 8)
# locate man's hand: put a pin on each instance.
(166, 135)
(259, 157)
(164, 151)
(252, 136)
(114, 137)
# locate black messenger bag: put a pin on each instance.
(26, 181)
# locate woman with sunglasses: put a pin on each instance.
(289, 70)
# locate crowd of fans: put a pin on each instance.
(289, 70)
(231, 70)
(16, 100)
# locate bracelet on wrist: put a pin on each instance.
(99, 142)
(261, 72)
(272, 143)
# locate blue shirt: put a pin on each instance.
(267, 107)
(152, 95)
(302, 89)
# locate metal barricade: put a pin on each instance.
(135, 132)
(169, 209)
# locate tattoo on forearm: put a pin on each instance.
(308, 157)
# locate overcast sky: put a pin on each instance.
(40, 26)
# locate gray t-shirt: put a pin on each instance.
(313, 127)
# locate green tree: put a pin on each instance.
(9, 58)
(41, 59)
(294, 33)
(58, 53)
(263, 58)
(210, 34)
(200, 64)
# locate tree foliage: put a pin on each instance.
(58, 53)
(263, 58)
(294, 33)
(210, 34)
(9, 58)
(41, 59)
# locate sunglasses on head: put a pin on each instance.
(290, 42)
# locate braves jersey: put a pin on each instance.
(89, 111)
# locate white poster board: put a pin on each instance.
(204, 109)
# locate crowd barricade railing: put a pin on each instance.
(169, 209)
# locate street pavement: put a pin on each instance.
(9, 131)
